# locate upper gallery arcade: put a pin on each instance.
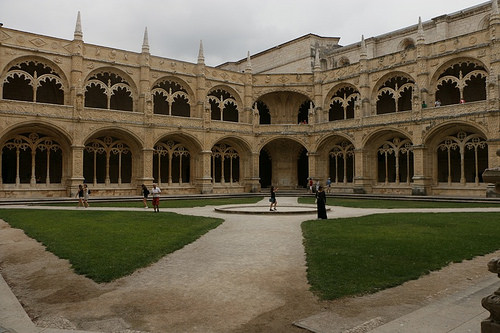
(415, 111)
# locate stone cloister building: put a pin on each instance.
(414, 111)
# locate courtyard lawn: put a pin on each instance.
(380, 203)
(105, 245)
(362, 255)
(168, 203)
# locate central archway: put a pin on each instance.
(283, 163)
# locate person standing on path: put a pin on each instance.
(321, 203)
(80, 195)
(273, 200)
(145, 193)
(155, 191)
(86, 195)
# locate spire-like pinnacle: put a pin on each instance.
(248, 68)
(420, 34)
(145, 42)
(363, 45)
(201, 57)
(494, 7)
(78, 28)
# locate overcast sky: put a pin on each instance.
(228, 28)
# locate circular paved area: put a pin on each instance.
(264, 209)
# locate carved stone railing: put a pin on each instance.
(492, 303)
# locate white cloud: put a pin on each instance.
(228, 28)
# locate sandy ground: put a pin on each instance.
(247, 275)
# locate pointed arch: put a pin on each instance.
(109, 88)
(34, 80)
(223, 104)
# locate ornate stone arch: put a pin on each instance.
(460, 80)
(230, 161)
(225, 104)
(176, 159)
(458, 153)
(341, 101)
(394, 92)
(260, 93)
(110, 88)
(391, 151)
(111, 156)
(34, 154)
(172, 96)
(336, 158)
(34, 79)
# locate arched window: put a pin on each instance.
(342, 104)
(108, 91)
(170, 98)
(462, 158)
(223, 106)
(171, 163)
(31, 158)
(225, 164)
(264, 115)
(341, 158)
(395, 161)
(33, 81)
(306, 110)
(462, 82)
(395, 95)
(107, 160)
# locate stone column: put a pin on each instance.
(362, 178)
(421, 178)
(312, 156)
(76, 177)
(253, 182)
(204, 183)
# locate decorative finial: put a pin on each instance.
(201, 57)
(363, 46)
(248, 68)
(78, 28)
(420, 34)
(145, 42)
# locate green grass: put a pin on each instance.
(170, 203)
(363, 255)
(105, 245)
(379, 203)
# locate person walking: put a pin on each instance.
(273, 200)
(155, 191)
(328, 185)
(86, 195)
(80, 195)
(145, 193)
(321, 203)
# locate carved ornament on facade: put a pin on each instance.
(4, 35)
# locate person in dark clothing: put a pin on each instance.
(273, 200)
(321, 203)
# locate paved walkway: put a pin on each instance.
(262, 254)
